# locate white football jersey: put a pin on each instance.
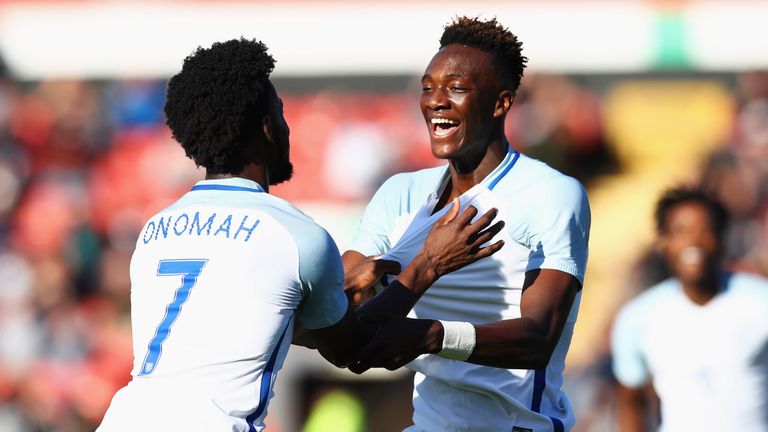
(547, 227)
(217, 281)
(708, 363)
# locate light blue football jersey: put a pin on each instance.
(217, 282)
(547, 227)
(708, 363)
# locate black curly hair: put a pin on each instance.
(493, 38)
(214, 103)
(685, 195)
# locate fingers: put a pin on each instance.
(489, 250)
(467, 215)
(452, 212)
(486, 236)
(485, 220)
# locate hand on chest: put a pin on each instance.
(502, 269)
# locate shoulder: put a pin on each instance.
(401, 192)
(551, 183)
(303, 230)
(401, 182)
(648, 301)
(537, 182)
(749, 284)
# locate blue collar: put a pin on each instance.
(229, 184)
(504, 167)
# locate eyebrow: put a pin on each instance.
(450, 75)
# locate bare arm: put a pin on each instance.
(633, 409)
(339, 342)
(453, 242)
(528, 342)
(523, 343)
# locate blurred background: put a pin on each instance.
(630, 97)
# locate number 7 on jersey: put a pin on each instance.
(189, 270)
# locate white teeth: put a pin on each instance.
(692, 255)
(443, 121)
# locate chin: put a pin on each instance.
(443, 150)
(692, 276)
(281, 174)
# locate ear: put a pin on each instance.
(266, 127)
(503, 103)
(661, 243)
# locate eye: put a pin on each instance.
(426, 88)
(458, 89)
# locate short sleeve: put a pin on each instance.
(372, 235)
(322, 279)
(628, 361)
(559, 231)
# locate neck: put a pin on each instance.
(255, 171)
(467, 173)
(704, 290)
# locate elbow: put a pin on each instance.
(539, 362)
(539, 357)
(542, 345)
(539, 353)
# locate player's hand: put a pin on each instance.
(397, 342)
(455, 241)
(359, 281)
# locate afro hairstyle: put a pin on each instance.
(493, 38)
(691, 195)
(213, 104)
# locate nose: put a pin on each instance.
(703, 238)
(437, 99)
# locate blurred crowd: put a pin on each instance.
(83, 163)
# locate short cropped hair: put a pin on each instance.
(493, 38)
(685, 195)
(213, 104)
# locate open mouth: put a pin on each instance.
(442, 127)
(692, 256)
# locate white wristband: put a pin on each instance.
(458, 340)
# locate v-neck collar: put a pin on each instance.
(489, 182)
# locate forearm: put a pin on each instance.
(341, 342)
(632, 409)
(512, 344)
(399, 297)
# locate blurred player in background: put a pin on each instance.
(508, 319)
(219, 278)
(700, 338)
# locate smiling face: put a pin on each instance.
(690, 243)
(460, 90)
